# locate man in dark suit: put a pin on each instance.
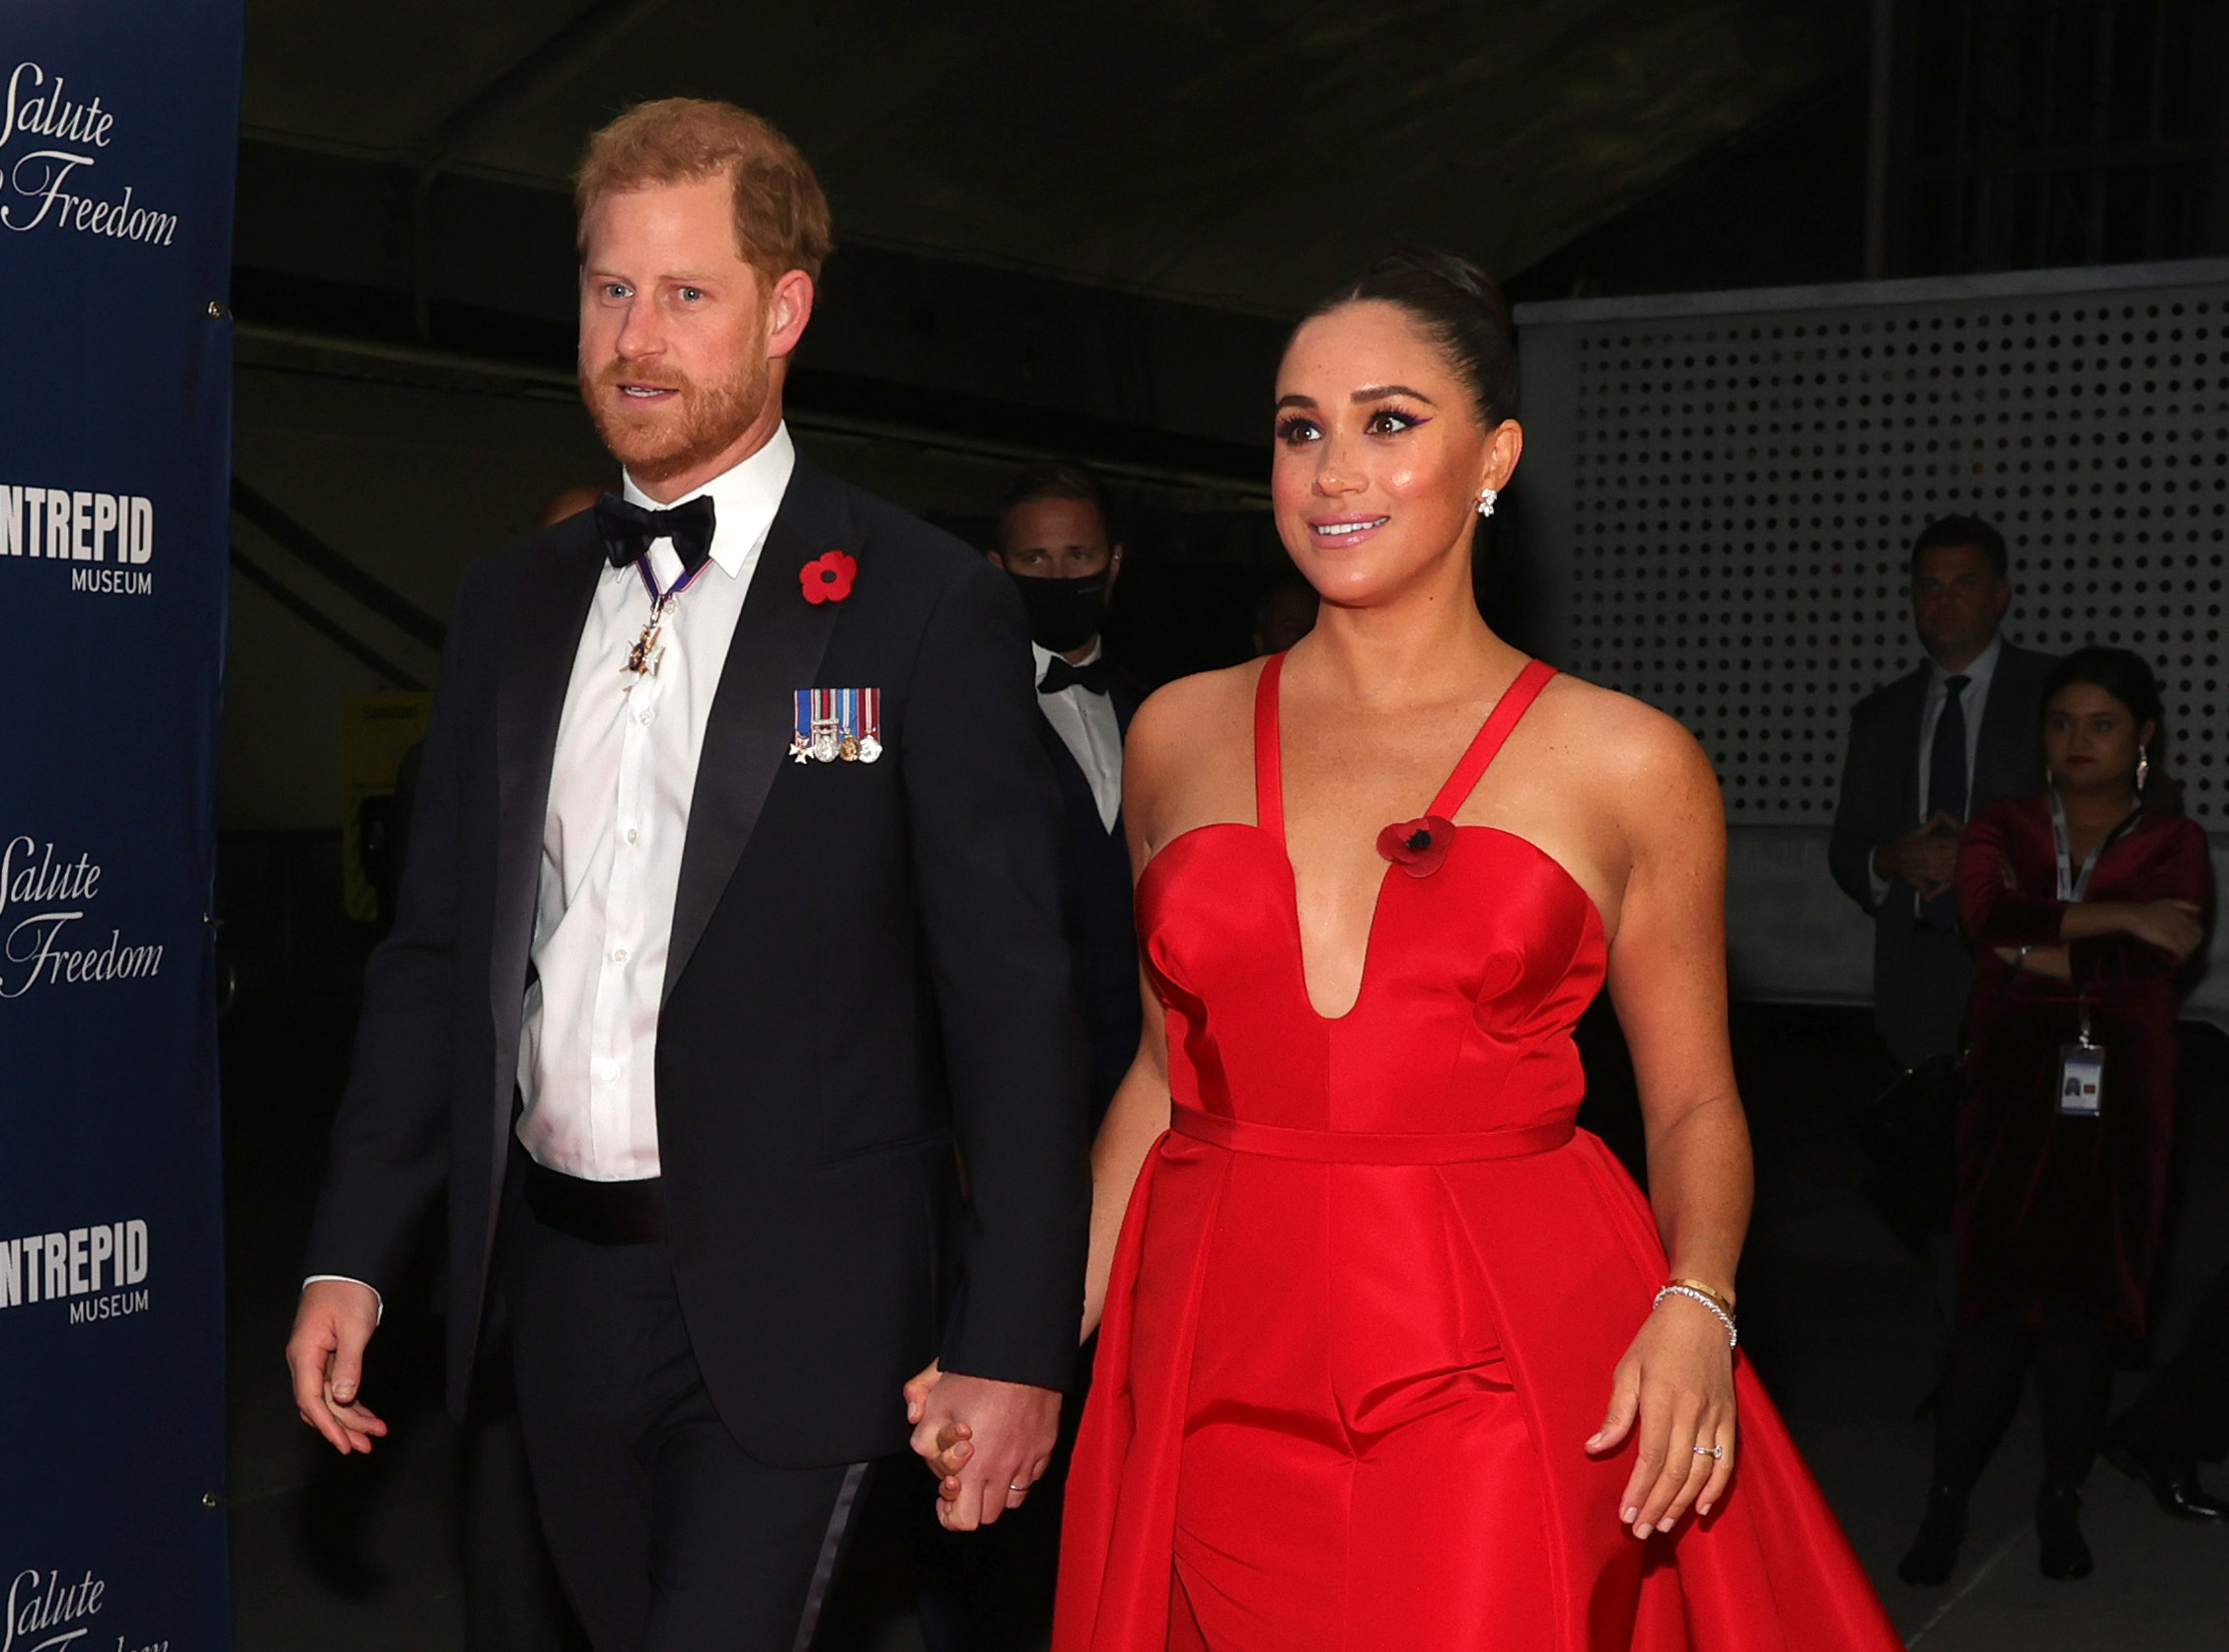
(1056, 541)
(731, 929)
(1926, 752)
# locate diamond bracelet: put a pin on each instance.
(1733, 1337)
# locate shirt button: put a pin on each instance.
(619, 954)
(644, 716)
(633, 835)
(607, 1071)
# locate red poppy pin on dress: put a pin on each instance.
(1417, 846)
(828, 578)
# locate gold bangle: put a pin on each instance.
(1724, 1299)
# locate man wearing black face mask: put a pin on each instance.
(1054, 541)
(991, 1591)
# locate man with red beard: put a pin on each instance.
(730, 931)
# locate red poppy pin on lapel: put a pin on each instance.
(1417, 846)
(828, 578)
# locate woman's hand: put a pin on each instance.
(954, 1443)
(1677, 1381)
(2171, 924)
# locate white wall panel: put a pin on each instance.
(1721, 490)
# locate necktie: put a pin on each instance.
(628, 530)
(1090, 678)
(1947, 782)
(1946, 759)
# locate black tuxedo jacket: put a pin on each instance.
(867, 984)
(1921, 977)
(1103, 926)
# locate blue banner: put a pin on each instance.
(118, 128)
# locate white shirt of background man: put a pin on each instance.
(611, 843)
(1085, 722)
(1976, 700)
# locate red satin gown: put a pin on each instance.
(1372, 1287)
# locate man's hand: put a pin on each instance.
(989, 1442)
(1926, 856)
(332, 1322)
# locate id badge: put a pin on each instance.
(2081, 1075)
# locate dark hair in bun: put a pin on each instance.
(1460, 309)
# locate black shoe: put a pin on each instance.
(2058, 1529)
(1934, 1552)
(2172, 1480)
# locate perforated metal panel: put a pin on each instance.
(1728, 496)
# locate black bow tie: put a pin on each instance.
(1090, 678)
(628, 529)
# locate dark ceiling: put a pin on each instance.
(1240, 156)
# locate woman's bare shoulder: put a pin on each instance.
(1627, 742)
(1205, 707)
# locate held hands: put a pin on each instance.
(1677, 1381)
(1926, 856)
(332, 1322)
(986, 1442)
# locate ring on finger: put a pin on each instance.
(1712, 1452)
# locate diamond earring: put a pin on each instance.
(2143, 767)
(1486, 499)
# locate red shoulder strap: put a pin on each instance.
(1516, 700)
(1269, 770)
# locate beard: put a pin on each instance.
(704, 419)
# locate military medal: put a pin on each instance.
(837, 724)
(642, 659)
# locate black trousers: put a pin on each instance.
(668, 1535)
(513, 1599)
(2183, 1410)
(2071, 1350)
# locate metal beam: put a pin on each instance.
(374, 593)
(932, 420)
(571, 49)
(315, 617)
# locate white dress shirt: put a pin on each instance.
(611, 843)
(1976, 699)
(1085, 722)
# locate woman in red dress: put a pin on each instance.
(2090, 895)
(1392, 1356)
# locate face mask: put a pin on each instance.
(1063, 614)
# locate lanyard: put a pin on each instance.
(2075, 885)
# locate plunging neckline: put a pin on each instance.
(1269, 803)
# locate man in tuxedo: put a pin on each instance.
(1057, 544)
(730, 931)
(1925, 753)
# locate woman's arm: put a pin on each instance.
(1134, 1122)
(1994, 909)
(2150, 935)
(1667, 980)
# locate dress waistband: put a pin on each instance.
(1363, 1147)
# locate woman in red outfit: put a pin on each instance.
(1392, 1356)
(2084, 904)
